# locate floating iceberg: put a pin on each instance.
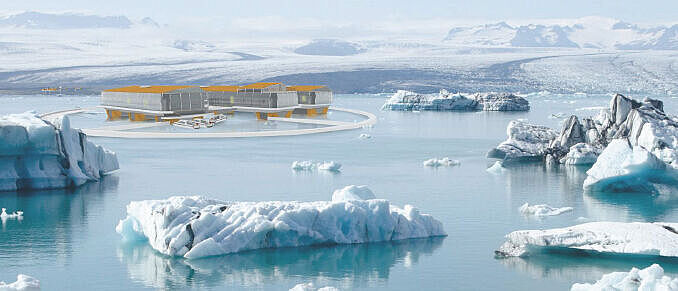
(353, 192)
(311, 287)
(23, 283)
(311, 166)
(581, 154)
(445, 101)
(526, 142)
(637, 238)
(435, 162)
(650, 278)
(193, 227)
(364, 136)
(496, 168)
(540, 210)
(16, 215)
(43, 154)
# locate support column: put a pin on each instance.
(261, 116)
(325, 110)
(288, 114)
(311, 112)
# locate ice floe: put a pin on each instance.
(15, 215)
(193, 226)
(496, 168)
(42, 154)
(364, 136)
(331, 166)
(650, 278)
(445, 101)
(447, 162)
(311, 287)
(23, 283)
(636, 238)
(540, 210)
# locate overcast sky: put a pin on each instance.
(646, 11)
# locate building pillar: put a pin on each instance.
(311, 112)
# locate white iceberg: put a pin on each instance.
(622, 167)
(496, 168)
(445, 101)
(311, 287)
(447, 162)
(526, 142)
(42, 154)
(331, 166)
(581, 154)
(4, 216)
(353, 192)
(364, 136)
(23, 283)
(637, 238)
(650, 278)
(540, 210)
(193, 227)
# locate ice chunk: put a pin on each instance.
(540, 210)
(42, 154)
(581, 154)
(502, 102)
(622, 167)
(303, 165)
(193, 227)
(5, 215)
(650, 278)
(445, 101)
(352, 192)
(311, 287)
(364, 136)
(638, 238)
(496, 168)
(435, 162)
(23, 283)
(331, 166)
(525, 142)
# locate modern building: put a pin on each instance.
(312, 99)
(139, 103)
(170, 102)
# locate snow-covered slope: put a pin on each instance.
(195, 227)
(637, 238)
(43, 154)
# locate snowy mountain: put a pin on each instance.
(587, 32)
(38, 20)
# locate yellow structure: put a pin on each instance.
(147, 89)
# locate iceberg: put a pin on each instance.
(303, 165)
(404, 100)
(496, 168)
(435, 162)
(650, 278)
(311, 287)
(581, 154)
(634, 238)
(364, 136)
(331, 166)
(194, 227)
(541, 210)
(16, 215)
(37, 153)
(353, 192)
(526, 142)
(23, 283)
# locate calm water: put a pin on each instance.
(68, 241)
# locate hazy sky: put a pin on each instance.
(166, 11)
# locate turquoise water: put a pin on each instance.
(67, 238)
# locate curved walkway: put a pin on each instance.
(370, 120)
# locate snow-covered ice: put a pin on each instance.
(311, 287)
(193, 226)
(331, 166)
(404, 100)
(447, 162)
(581, 154)
(540, 210)
(650, 278)
(525, 142)
(353, 192)
(496, 168)
(44, 154)
(364, 136)
(23, 283)
(637, 238)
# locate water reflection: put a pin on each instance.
(51, 220)
(630, 206)
(354, 265)
(582, 268)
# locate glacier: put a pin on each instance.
(447, 162)
(194, 227)
(633, 238)
(650, 278)
(38, 153)
(404, 100)
(23, 283)
(540, 210)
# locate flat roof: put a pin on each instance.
(304, 88)
(259, 85)
(147, 89)
(221, 88)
